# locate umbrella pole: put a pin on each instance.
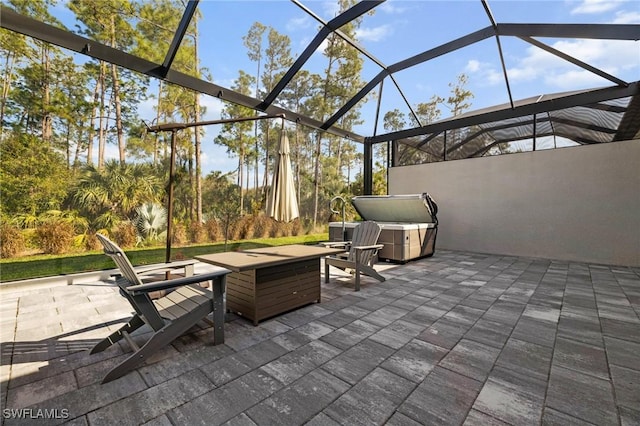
(172, 166)
(174, 127)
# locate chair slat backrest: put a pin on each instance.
(142, 302)
(121, 260)
(365, 234)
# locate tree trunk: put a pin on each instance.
(76, 159)
(246, 187)
(116, 97)
(67, 143)
(198, 142)
(298, 165)
(316, 179)
(47, 128)
(266, 163)
(255, 130)
(92, 122)
(240, 175)
(339, 154)
(6, 85)
(119, 129)
(192, 178)
(101, 121)
(156, 147)
(318, 150)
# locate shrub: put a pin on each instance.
(197, 232)
(296, 228)
(245, 228)
(11, 241)
(55, 236)
(213, 230)
(91, 242)
(233, 231)
(30, 239)
(125, 234)
(280, 229)
(151, 222)
(262, 226)
(179, 232)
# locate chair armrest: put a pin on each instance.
(164, 266)
(135, 290)
(332, 244)
(371, 247)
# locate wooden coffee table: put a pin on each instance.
(269, 281)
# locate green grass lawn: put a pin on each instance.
(49, 265)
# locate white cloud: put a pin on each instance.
(214, 107)
(485, 73)
(523, 74)
(298, 23)
(215, 157)
(111, 152)
(594, 6)
(146, 109)
(536, 62)
(323, 45)
(424, 87)
(573, 79)
(226, 82)
(626, 17)
(304, 42)
(612, 56)
(331, 9)
(537, 66)
(374, 34)
(391, 7)
(472, 66)
(493, 77)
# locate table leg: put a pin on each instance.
(218, 310)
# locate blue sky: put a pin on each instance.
(399, 29)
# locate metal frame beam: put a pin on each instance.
(577, 99)
(547, 119)
(589, 31)
(362, 50)
(523, 31)
(30, 27)
(341, 34)
(581, 141)
(504, 67)
(189, 11)
(574, 61)
(629, 126)
(337, 22)
(428, 150)
(367, 172)
(407, 63)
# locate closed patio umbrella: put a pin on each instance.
(282, 204)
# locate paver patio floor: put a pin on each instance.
(459, 338)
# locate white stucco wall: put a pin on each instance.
(580, 204)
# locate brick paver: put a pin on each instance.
(459, 338)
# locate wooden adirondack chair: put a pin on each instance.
(361, 255)
(169, 316)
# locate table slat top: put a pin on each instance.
(267, 256)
